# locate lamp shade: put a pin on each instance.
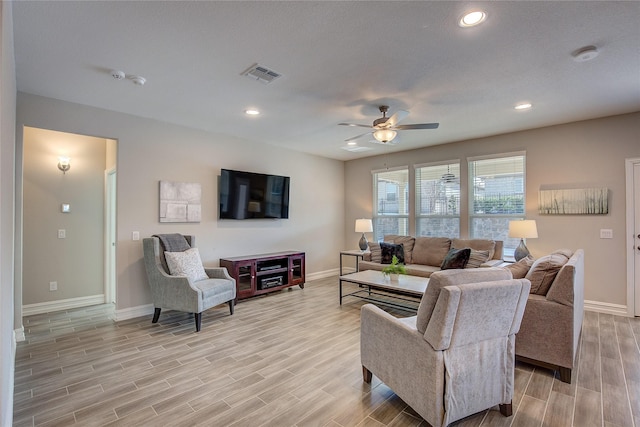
(523, 229)
(364, 226)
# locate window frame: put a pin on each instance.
(376, 216)
(418, 196)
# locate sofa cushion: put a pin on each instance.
(186, 263)
(477, 258)
(544, 271)
(375, 254)
(430, 250)
(407, 241)
(521, 268)
(456, 258)
(389, 250)
(476, 244)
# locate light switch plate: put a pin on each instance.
(65, 208)
(606, 233)
(62, 233)
(135, 235)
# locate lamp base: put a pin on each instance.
(521, 251)
(363, 243)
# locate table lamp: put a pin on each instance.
(523, 229)
(363, 226)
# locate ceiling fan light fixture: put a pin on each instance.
(523, 106)
(384, 135)
(471, 19)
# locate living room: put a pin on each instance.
(327, 195)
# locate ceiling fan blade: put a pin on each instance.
(418, 126)
(357, 136)
(354, 125)
(397, 117)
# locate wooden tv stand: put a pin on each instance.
(264, 273)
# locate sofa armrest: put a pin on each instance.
(218, 273)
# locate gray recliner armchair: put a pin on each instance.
(180, 292)
(457, 356)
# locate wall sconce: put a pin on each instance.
(64, 164)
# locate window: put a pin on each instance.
(496, 191)
(438, 200)
(391, 202)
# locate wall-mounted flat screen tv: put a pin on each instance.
(248, 195)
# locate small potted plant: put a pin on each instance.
(392, 270)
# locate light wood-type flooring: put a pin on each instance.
(287, 359)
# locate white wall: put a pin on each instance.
(150, 151)
(7, 207)
(76, 262)
(576, 155)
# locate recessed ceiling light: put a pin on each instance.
(352, 143)
(523, 106)
(471, 19)
(252, 112)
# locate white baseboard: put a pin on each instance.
(63, 304)
(606, 308)
(18, 334)
(133, 312)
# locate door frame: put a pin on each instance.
(110, 182)
(633, 288)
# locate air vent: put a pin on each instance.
(261, 74)
(356, 148)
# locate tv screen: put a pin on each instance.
(248, 195)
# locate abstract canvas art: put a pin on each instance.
(180, 201)
(583, 201)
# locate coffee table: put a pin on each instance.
(374, 287)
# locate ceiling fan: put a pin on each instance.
(385, 128)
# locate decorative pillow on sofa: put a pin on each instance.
(406, 241)
(476, 245)
(187, 263)
(389, 250)
(520, 269)
(376, 252)
(544, 271)
(477, 258)
(456, 258)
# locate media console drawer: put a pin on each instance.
(260, 274)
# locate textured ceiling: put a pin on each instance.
(339, 60)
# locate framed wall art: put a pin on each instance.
(581, 201)
(180, 201)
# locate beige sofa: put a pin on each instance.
(552, 320)
(424, 255)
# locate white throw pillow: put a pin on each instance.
(187, 263)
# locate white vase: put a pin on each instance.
(394, 277)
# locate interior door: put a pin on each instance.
(635, 229)
(110, 237)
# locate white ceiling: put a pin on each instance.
(339, 60)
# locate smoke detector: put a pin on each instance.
(117, 74)
(584, 54)
(138, 80)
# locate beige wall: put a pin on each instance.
(576, 155)
(76, 263)
(150, 151)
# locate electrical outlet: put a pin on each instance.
(606, 233)
(62, 234)
(53, 286)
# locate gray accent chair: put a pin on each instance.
(179, 292)
(457, 356)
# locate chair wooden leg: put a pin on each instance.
(156, 315)
(198, 317)
(565, 374)
(231, 306)
(506, 409)
(367, 375)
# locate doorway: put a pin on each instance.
(633, 235)
(69, 220)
